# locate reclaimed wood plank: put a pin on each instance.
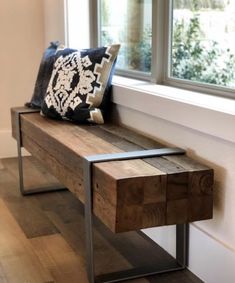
(195, 181)
(200, 184)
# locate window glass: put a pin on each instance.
(78, 37)
(203, 41)
(128, 22)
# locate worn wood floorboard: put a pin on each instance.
(59, 258)
(17, 258)
(42, 236)
(1, 165)
(25, 210)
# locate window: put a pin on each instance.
(183, 43)
(128, 22)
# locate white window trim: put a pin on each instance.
(205, 113)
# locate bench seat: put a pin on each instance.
(127, 195)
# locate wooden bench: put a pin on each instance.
(126, 194)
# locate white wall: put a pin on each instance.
(26, 28)
(22, 43)
(54, 21)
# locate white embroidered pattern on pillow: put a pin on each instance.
(62, 96)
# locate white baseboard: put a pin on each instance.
(209, 259)
(8, 146)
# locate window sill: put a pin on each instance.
(201, 112)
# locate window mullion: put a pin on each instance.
(93, 12)
(159, 42)
(168, 39)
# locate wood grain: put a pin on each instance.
(17, 257)
(58, 257)
(127, 195)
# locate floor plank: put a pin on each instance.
(58, 257)
(17, 258)
(25, 210)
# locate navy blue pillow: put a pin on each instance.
(79, 85)
(44, 75)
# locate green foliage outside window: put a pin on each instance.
(196, 60)
(201, 4)
(140, 54)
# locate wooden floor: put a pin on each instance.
(42, 236)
